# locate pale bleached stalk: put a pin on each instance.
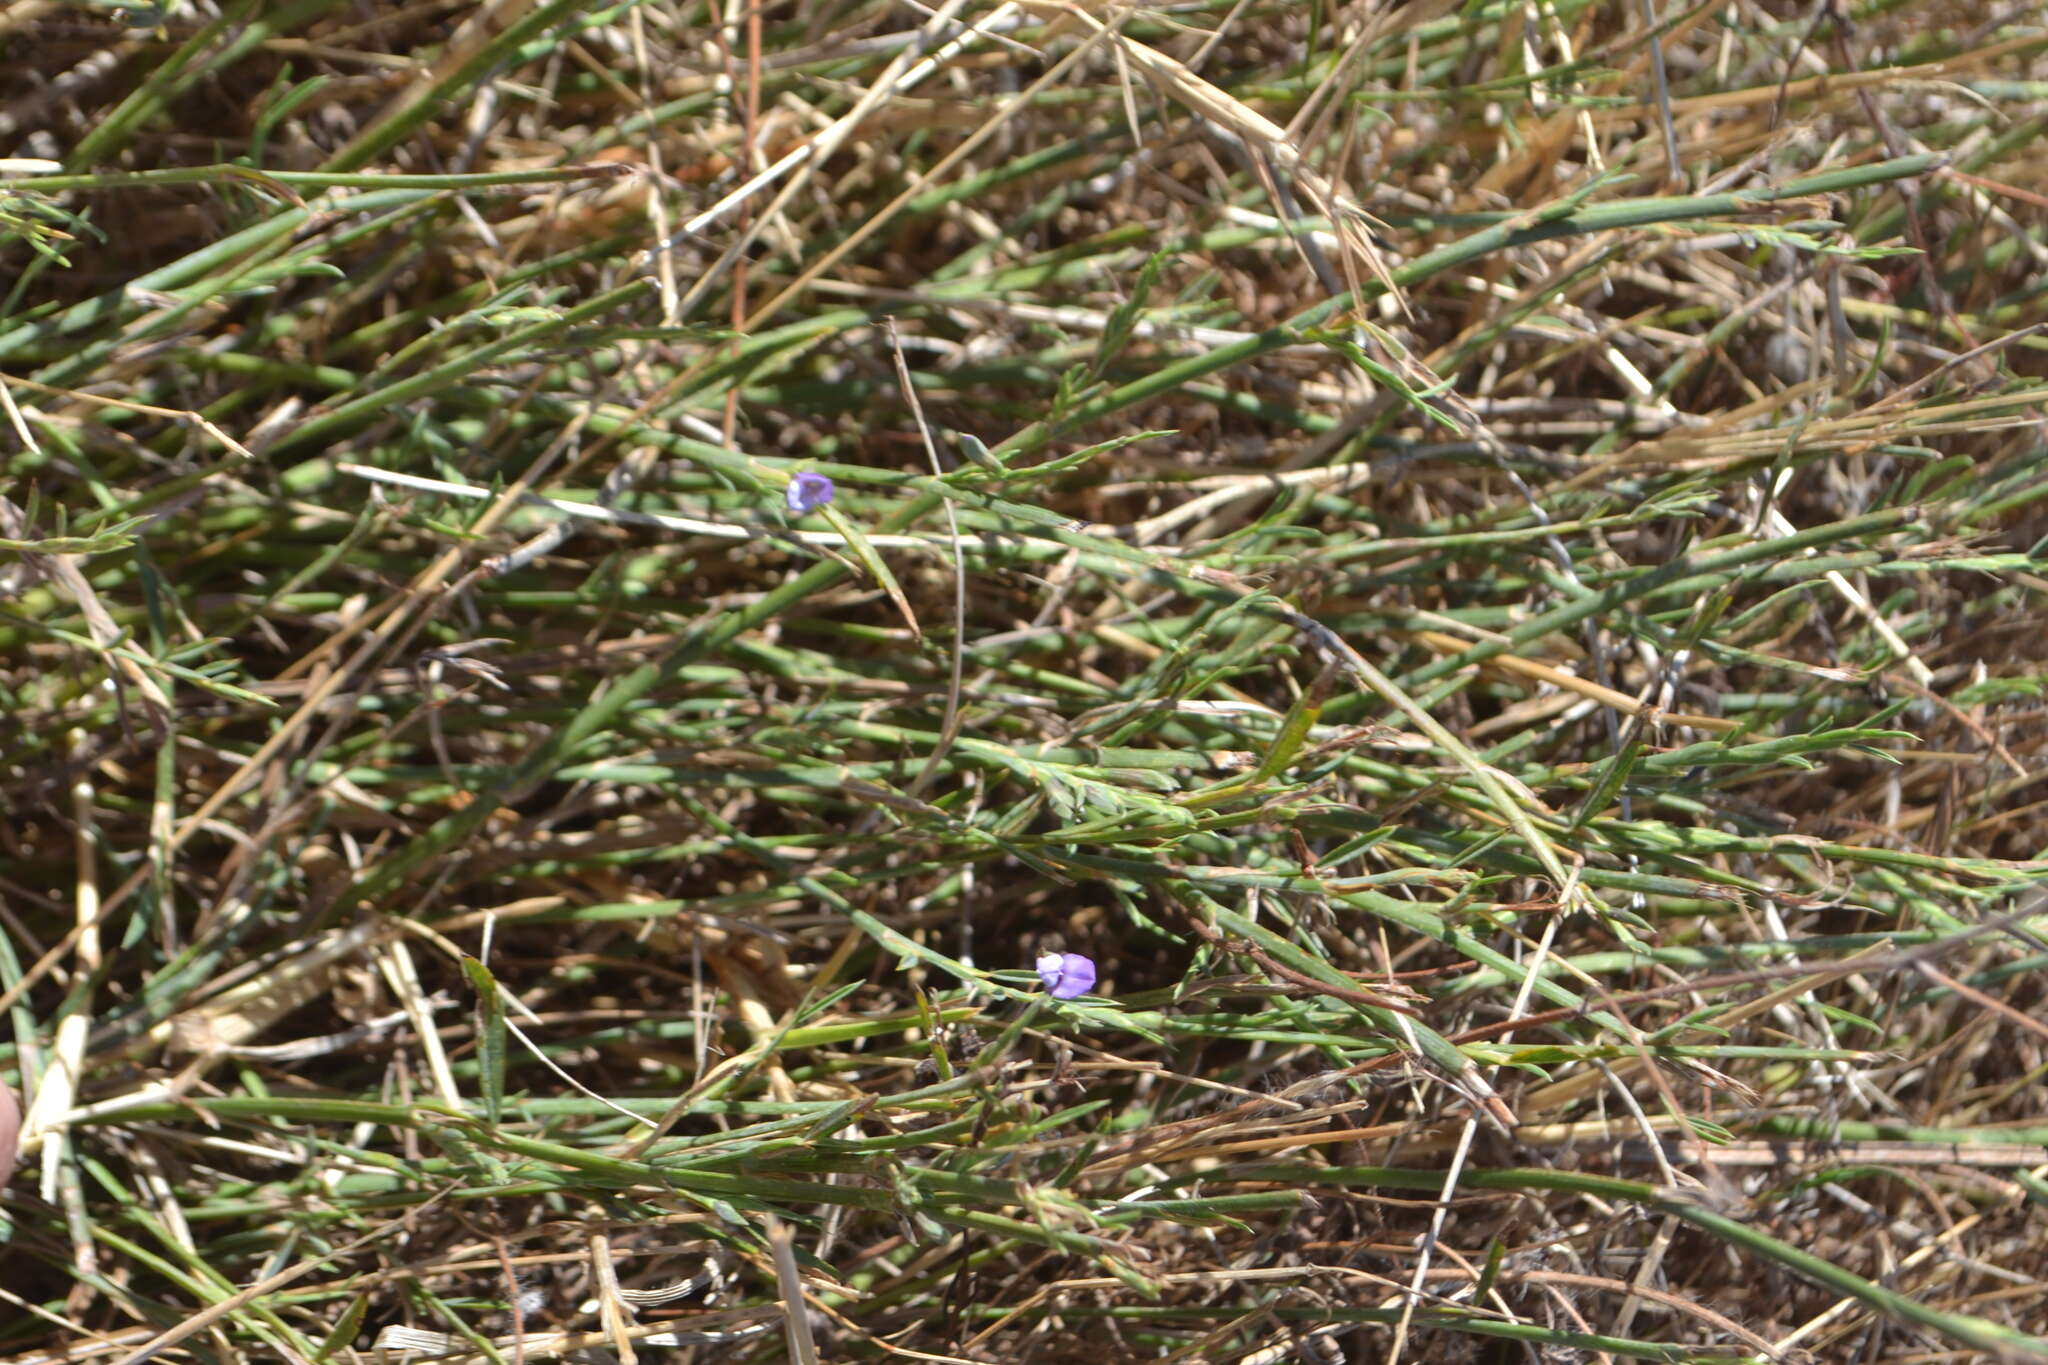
(49, 1109)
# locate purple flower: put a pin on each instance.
(1066, 975)
(808, 492)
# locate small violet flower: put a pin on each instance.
(1066, 975)
(808, 492)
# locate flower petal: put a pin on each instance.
(808, 491)
(1066, 975)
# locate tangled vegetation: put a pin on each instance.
(1218, 681)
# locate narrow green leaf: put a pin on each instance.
(490, 1037)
